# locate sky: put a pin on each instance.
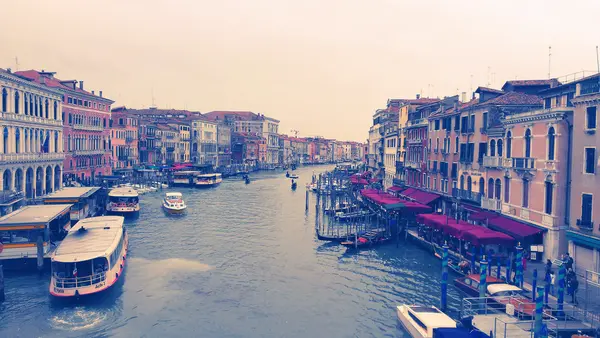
(321, 67)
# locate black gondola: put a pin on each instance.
(294, 185)
(368, 239)
(287, 174)
(337, 239)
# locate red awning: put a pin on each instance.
(407, 192)
(513, 228)
(484, 236)
(423, 197)
(483, 215)
(395, 189)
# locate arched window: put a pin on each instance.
(70, 118)
(551, 142)
(493, 148)
(527, 139)
(17, 103)
(5, 139)
(18, 140)
(35, 105)
(508, 144)
(498, 188)
(56, 142)
(26, 105)
(4, 100)
(462, 182)
(55, 110)
(525, 193)
(491, 188)
(31, 98)
(482, 186)
(469, 184)
(499, 145)
(46, 108)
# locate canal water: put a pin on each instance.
(243, 262)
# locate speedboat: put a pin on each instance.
(173, 203)
(420, 321)
(123, 201)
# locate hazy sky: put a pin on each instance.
(320, 66)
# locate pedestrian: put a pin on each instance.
(574, 287)
(524, 260)
(568, 261)
(548, 267)
(552, 281)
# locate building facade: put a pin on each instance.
(204, 141)
(124, 140)
(86, 131)
(31, 144)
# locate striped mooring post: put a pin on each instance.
(483, 265)
(539, 308)
(508, 269)
(444, 295)
(561, 288)
(519, 266)
(473, 259)
(534, 283)
(547, 287)
(498, 268)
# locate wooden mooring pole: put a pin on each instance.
(306, 207)
(40, 254)
(1, 284)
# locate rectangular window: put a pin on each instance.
(586, 209)
(464, 124)
(437, 124)
(472, 123)
(525, 194)
(547, 103)
(506, 190)
(471, 152)
(434, 183)
(482, 152)
(549, 193)
(454, 173)
(485, 121)
(463, 152)
(457, 122)
(590, 160)
(434, 166)
(590, 118)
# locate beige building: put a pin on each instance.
(31, 140)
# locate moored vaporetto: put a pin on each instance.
(91, 258)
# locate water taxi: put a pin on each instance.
(420, 321)
(173, 203)
(208, 180)
(124, 201)
(91, 258)
(184, 177)
(294, 176)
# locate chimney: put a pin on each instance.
(42, 79)
(81, 85)
(93, 93)
(463, 97)
(418, 96)
(100, 93)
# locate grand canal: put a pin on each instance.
(243, 262)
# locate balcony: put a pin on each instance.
(469, 130)
(523, 163)
(31, 157)
(467, 195)
(551, 221)
(29, 119)
(398, 182)
(492, 162)
(10, 197)
(399, 165)
(413, 165)
(491, 204)
(88, 152)
(158, 144)
(551, 166)
(87, 127)
(585, 225)
(129, 139)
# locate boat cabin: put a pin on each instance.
(10, 201)
(184, 177)
(20, 230)
(420, 321)
(123, 200)
(208, 179)
(90, 258)
(86, 201)
(469, 284)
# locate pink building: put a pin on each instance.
(86, 132)
(124, 140)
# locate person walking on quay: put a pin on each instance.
(524, 260)
(572, 286)
(552, 281)
(568, 261)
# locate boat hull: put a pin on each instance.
(206, 185)
(174, 211)
(407, 324)
(111, 278)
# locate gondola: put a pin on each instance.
(287, 174)
(368, 239)
(337, 239)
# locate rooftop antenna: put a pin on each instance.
(549, 59)
(17, 63)
(488, 76)
(295, 132)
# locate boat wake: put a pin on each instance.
(79, 318)
(170, 265)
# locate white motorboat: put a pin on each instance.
(91, 258)
(420, 321)
(173, 203)
(294, 176)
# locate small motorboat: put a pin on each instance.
(287, 174)
(420, 321)
(294, 185)
(294, 176)
(173, 203)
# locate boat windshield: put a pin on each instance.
(126, 200)
(173, 198)
(76, 274)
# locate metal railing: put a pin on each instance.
(89, 152)
(467, 195)
(29, 118)
(7, 196)
(523, 163)
(75, 282)
(87, 127)
(31, 157)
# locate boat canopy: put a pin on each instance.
(174, 194)
(123, 192)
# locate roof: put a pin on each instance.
(49, 80)
(490, 90)
(518, 83)
(123, 192)
(237, 115)
(514, 98)
(72, 192)
(431, 316)
(174, 194)
(100, 237)
(493, 288)
(35, 214)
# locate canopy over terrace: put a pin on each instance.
(475, 234)
(517, 230)
(390, 203)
